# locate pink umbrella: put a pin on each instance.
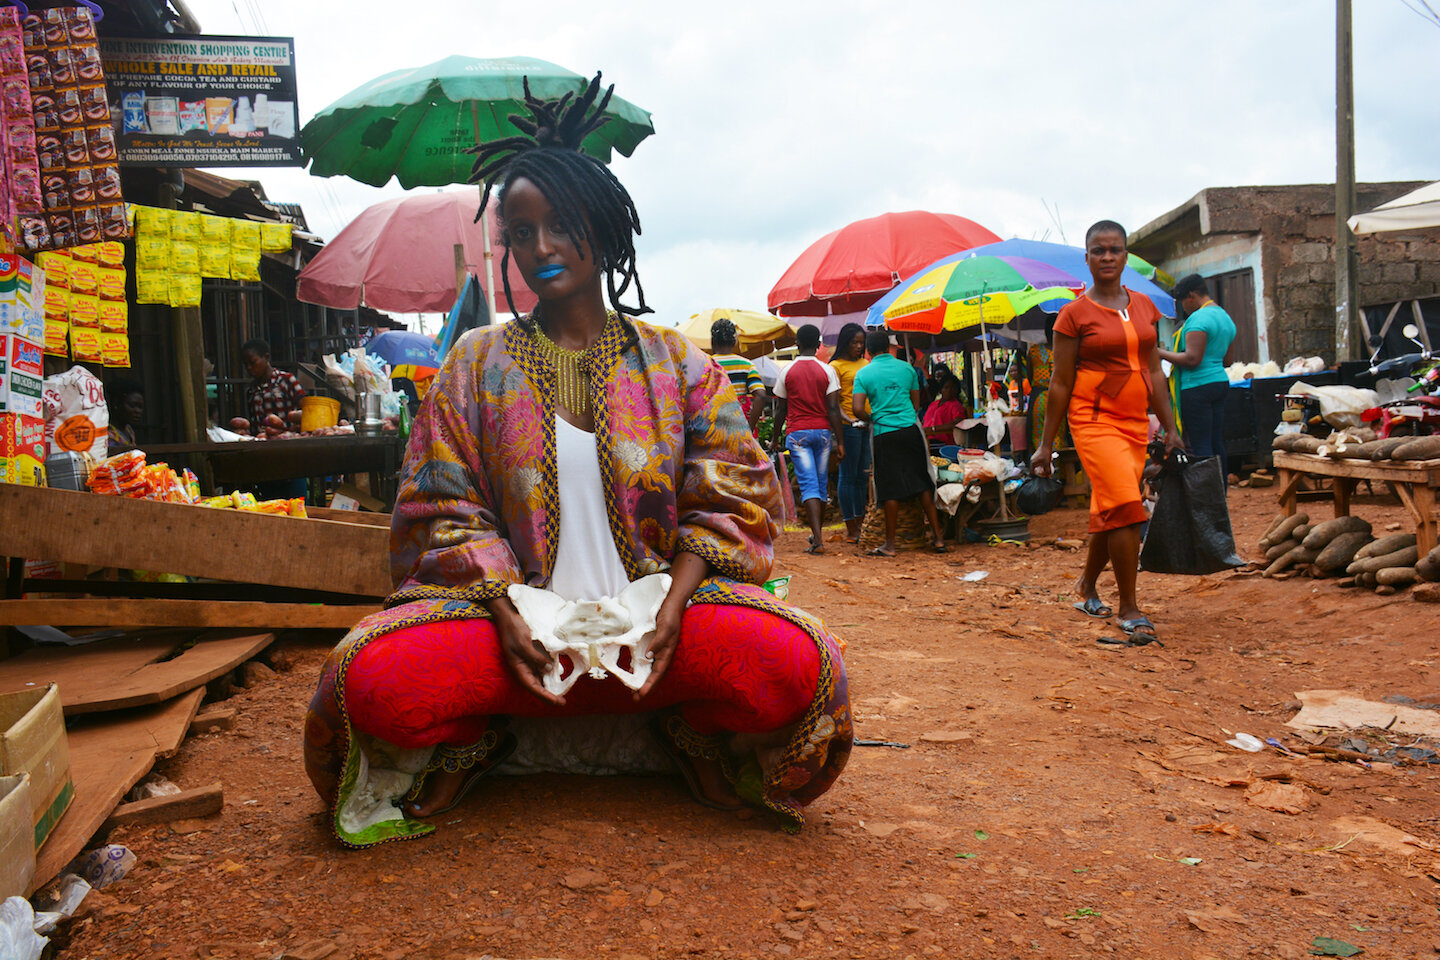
(399, 256)
(850, 268)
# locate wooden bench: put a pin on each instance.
(1414, 481)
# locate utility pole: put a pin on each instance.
(1346, 264)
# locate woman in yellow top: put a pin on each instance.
(854, 484)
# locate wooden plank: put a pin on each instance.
(200, 802)
(221, 718)
(128, 671)
(118, 612)
(107, 758)
(350, 516)
(39, 523)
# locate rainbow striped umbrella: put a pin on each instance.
(963, 293)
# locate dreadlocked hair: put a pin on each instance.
(594, 207)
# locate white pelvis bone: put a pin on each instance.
(593, 632)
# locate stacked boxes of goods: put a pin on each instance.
(22, 424)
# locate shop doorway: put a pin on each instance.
(1235, 293)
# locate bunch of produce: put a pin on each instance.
(1345, 548)
(1360, 443)
(275, 428)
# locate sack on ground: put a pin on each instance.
(1190, 529)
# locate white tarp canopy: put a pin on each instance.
(1416, 210)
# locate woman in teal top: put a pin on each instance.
(1200, 378)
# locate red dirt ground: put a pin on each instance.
(1052, 791)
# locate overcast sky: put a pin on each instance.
(777, 122)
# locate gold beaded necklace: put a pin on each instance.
(572, 368)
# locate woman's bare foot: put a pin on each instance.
(441, 788)
(713, 786)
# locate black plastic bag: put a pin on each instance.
(1190, 529)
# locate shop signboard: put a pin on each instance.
(203, 101)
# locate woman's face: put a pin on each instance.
(948, 390)
(547, 255)
(855, 349)
(1105, 255)
(133, 409)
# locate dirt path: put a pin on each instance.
(1058, 799)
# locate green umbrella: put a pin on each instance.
(416, 124)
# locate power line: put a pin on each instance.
(1428, 14)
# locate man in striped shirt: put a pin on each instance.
(744, 378)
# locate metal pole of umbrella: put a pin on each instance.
(484, 226)
(489, 270)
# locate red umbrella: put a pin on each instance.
(399, 255)
(850, 269)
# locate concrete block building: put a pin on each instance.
(1268, 252)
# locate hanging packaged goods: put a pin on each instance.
(85, 314)
(175, 249)
(204, 101)
(59, 146)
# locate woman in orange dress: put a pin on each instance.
(1106, 379)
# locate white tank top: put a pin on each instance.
(587, 565)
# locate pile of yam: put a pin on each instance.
(1345, 548)
(1360, 444)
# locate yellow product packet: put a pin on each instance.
(184, 226)
(184, 289)
(84, 254)
(111, 283)
(85, 345)
(152, 222)
(275, 237)
(214, 229)
(184, 257)
(56, 265)
(111, 253)
(244, 264)
(83, 277)
(114, 349)
(114, 316)
(57, 303)
(57, 338)
(215, 259)
(152, 286)
(152, 253)
(84, 310)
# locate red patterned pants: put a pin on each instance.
(735, 669)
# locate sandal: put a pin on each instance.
(878, 552)
(1139, 639)
(477, 760)
(684, 746)
(1093, 607)
(939, 547)
(1139, 627)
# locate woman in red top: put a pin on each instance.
(1107, 377)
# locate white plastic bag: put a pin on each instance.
(18, 938)
(75, 405)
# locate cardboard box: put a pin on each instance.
(22, 298)
(32, 740)
(17, 838)
(22, 375)
(22, 450)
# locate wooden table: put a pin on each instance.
(1414, 481)
(260, 461)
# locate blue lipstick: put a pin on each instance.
(549, 270)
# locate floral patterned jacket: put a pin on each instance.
(479, 506)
